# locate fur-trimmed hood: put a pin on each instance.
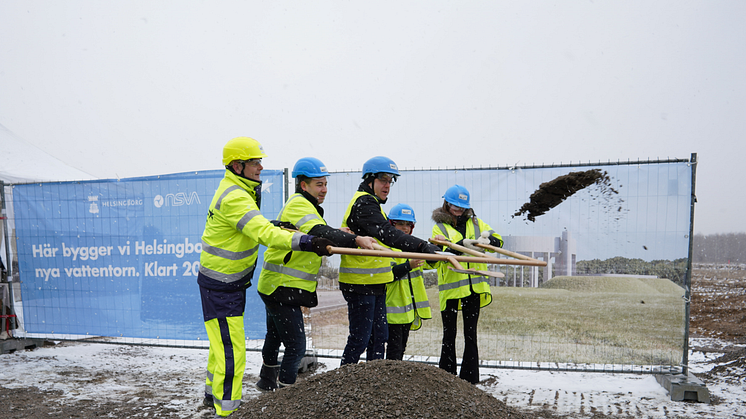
(440, 215)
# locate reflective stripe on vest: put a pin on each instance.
(399, 310)
(246, 218)
(227, 278)
(365, 271)
(477, 233)
(227, 254)
(463, 283)
(289, 271)
(224, 194)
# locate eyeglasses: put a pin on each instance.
(253, 162)
(457, 208)
(404, 223)
(385, 178)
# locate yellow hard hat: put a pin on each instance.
(242, 148)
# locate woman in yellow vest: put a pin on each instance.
(363, 279)
(288, 279)
(456, 222)
(406, 298)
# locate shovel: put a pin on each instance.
(473, 252)
(455, 265)
(431, 256)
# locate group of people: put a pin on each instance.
(385, 296)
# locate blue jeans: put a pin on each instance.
(284, 326)
(368, 327)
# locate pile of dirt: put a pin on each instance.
(379, 389)
(552, 193)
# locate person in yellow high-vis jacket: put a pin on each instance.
(288, 279)
(233, 232)
(406, 298)
(455, 221)
(362, 279)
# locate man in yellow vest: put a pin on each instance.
(233, 232)
(288, 279)
(363, 279)
(406, 297)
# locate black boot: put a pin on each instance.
(268, 377)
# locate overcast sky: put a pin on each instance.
(135, 88)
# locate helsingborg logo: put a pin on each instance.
(95, 205)
(176, 200)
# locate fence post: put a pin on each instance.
(688, 278)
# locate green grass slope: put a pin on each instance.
(614, 284)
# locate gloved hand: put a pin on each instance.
(283, 224)
(427, 247)
(471, 244)
(487, 238)
(318, 245)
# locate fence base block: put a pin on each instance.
(684, 387)
(11, 345)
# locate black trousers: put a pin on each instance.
(397, 344)
(470, 359)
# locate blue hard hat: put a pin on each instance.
(309, 167)
(380, 164)
(457, 195)
(402, 212)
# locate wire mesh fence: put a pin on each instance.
(613, 296)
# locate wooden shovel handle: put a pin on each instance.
(431, 256)
(503, 251)
(451, 260)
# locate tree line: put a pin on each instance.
(719, 248)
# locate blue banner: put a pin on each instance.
(120, 257)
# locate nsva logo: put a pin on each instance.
(176, 200)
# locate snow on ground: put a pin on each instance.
(93, 370)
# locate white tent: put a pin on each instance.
(23, 162)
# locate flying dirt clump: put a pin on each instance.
(552, 193)
(379, 389)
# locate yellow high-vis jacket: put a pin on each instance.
(300, 270)
(406, 298)
(453, 285)
(233, 232)
(364, 270)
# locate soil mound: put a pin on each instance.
(379, 389)
(552, 193)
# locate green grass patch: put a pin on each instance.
(599, 320)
